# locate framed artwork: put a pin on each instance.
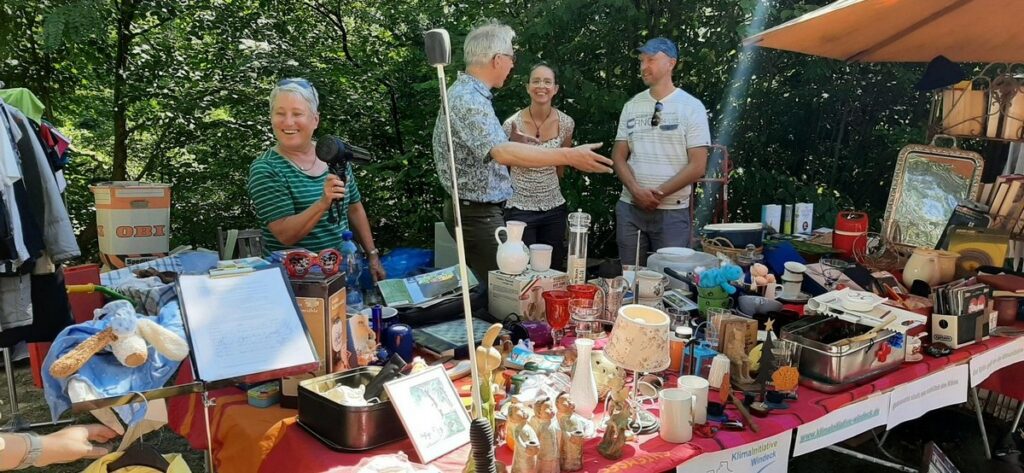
(431, 412)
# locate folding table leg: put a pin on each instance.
(981, 422)
(1016, 419)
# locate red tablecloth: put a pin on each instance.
(250, 439)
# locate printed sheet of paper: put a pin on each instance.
(243, 325)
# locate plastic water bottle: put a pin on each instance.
(351, 264)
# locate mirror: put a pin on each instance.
(926, 186)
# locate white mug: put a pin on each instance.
(650, 284)
(540, 257)
(677, 415)
(698, 387)
(788, 289)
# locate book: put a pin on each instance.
(448, 339)
(424, 289)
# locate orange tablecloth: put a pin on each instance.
(248, 439)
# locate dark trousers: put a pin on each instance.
(546, 227)
(478, 224)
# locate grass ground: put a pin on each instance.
(954, 429)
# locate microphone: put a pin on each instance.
(338, 154)
(438, 47)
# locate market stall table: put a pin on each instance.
(251, 439)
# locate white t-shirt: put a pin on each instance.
(658, 153)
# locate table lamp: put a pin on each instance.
(639, 343)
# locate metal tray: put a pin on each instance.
(347, 428)
(824, 361)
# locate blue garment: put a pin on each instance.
(103, 372)
(475, 130)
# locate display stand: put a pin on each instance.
(205, 297)
(18, 422)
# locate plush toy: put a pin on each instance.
(721, 277)
(760, 276)
(126, 334)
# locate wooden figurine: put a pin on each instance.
(735, 348)
(546, 428)
(517, 417)
(617, 426)
(524, 460)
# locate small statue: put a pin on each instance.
(617, 425)
(572, 450)
(546, 428)
(735, 349)
(565, 408)
(488, 359)
(517, 417)
(505, 347)
(524, 460)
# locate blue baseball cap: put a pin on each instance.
(660, 45)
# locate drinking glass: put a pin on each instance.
(556, 309)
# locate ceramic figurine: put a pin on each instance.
(524, 460)
(488, 359)
(544, 425)
(617, 425)
(517, 417)
(565, 408)
(734, 349)
(572, 450)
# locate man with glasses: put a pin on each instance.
(483, 151)
(661, 149)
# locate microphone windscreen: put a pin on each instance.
(438, 47)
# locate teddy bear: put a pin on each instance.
(721, 277)
(127, 334)
(760, 276)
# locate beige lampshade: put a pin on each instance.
(639, 340)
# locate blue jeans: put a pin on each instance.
(659, 229)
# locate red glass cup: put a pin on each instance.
(556, 309)
(582, 291)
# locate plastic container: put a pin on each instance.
(351, 264)
(132, 221)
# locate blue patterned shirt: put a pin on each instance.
(475, 130)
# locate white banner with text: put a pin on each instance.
(983, 365)
(939, 389)
(842, 424)
(770, 455)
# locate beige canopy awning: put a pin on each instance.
(905, 31)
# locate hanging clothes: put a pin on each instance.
(45, 198)
(10, 174)
(24, 100)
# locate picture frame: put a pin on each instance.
(431, 412)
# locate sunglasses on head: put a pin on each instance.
(656, 119)
(299, 82)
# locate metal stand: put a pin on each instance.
(869, 458)
(18, 423)
(981, 421)
(207, 404)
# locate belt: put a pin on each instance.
(470, 203)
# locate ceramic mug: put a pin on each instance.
(677, 415)
(698, 387)
(540, 257)
(788, 289)
(712, 298)
(794, 270)
(651, 284)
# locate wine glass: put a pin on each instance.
(556, 309)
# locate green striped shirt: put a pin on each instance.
(279, 189)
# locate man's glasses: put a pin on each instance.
(512, 57)
(656, 119)
(299, 82)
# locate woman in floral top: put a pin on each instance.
(537, 198)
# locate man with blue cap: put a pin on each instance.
(661, 149)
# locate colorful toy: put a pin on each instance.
(721, 277)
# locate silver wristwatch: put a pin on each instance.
(35, 448)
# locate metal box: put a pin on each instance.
(347, 428)
(828, 364)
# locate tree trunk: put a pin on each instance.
(124, 39)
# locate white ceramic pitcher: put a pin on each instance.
(513, 255)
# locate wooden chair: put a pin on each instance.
(246, 243)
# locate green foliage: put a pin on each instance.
(198, 72)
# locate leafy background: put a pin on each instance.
(176, 92)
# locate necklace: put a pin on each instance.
(538, 125)
(294, 163)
